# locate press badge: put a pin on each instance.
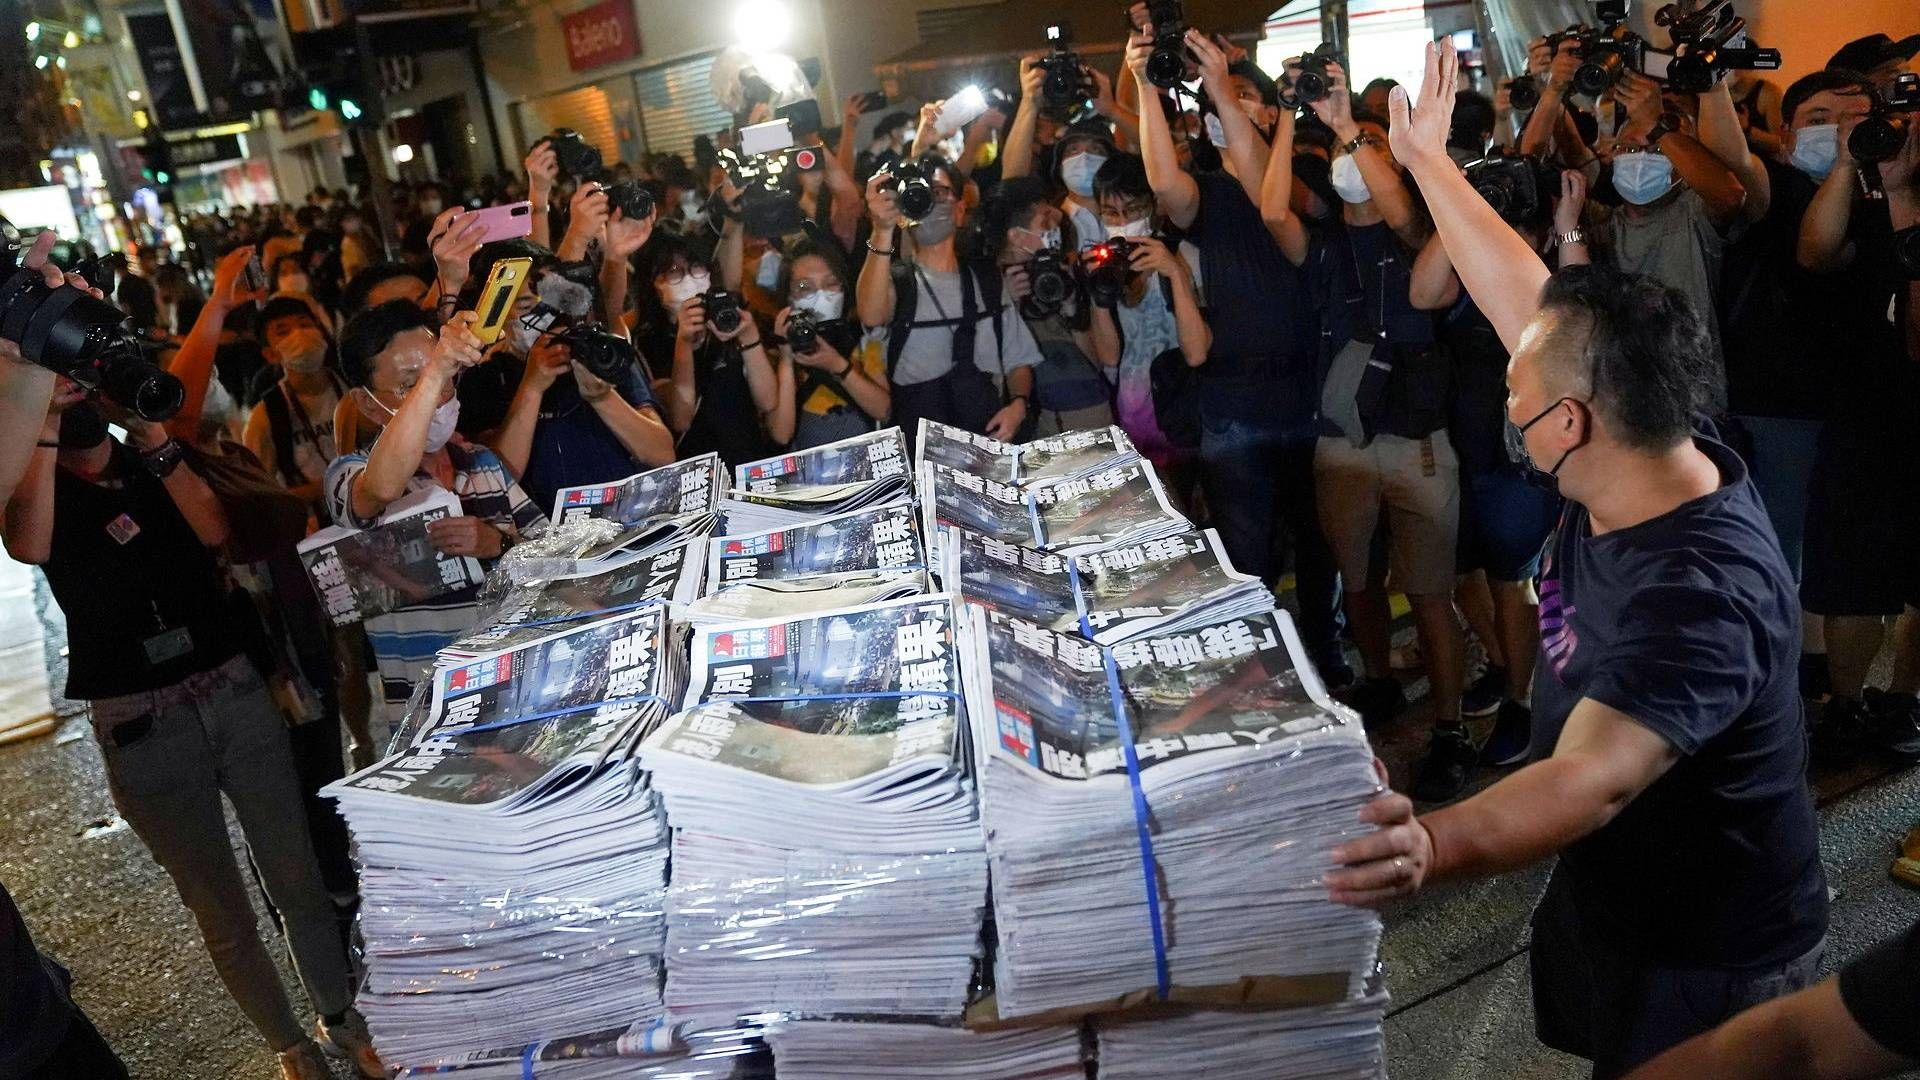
(123, 528)
(168, 645)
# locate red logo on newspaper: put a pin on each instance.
(1016, 731)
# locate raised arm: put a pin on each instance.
(1823, 246)
(1712, 181)
(1390, 196)
(623, 238)
(1276, 194)
(1126, 122)
(1245, 148)
(1432, 285)
(1016, 157)
(26, 388)
(1720, 134)
(190, 493)
(639, 428)
(873, 293)
(586, 219)
(192, 364)
(847, 202)
(1173, 187)
(396, 454)
(542, 166)
(29, 516)
(1497, 266)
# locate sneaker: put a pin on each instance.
(1484, 694)
(349, 1041)
(1895, 723)
(1841, 732)
(1376, 700)
(303, 1061)
(1444, 772)
(1512, 736)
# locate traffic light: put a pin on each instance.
(350, 110)
(317, 98)
(158, 168)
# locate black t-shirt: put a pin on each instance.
(1362, 274)
(1882, 992)
(1778, 322)
(725, 421)
(34, 1008)
(131, 575)
(486, 393)
(1261, 366)
(1689, 623)
(1478, 418)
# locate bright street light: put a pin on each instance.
(33, 31)
(133, 95)
(40, 61)
(72, 40)
(403, 153)
(762, 25)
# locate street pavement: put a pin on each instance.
(1455, 959)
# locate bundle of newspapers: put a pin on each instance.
(1175, 583)
(812, 1050)
(1122, 503)
(594, 588)
(361, 573)
(852, 474)
(1302, 1043)
(514, 858)
(827, 852)
(1132, 798)
(844, 560)
(661, 504)
(1071, 455)
(642, 1050)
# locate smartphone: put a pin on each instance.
(509, 222)
(766, 138)
(959, 110)
(255, 275)
(503, 287)
(873, 101)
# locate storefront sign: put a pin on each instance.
(601, 34)
(202, 151)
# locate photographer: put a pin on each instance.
(1861, 518)
(126, 534)
(941, 363)
(721, 389)
(1669, 753)
(1550, 128)
(838, 388)
(404, 385)
(1078, 153)
(25, 387)
(888, 144)
(1069, 392)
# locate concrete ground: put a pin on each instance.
(1456, 959)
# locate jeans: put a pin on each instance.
(1781, 465)
(170, 754)
(1257, 480)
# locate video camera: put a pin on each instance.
(1314, 82)
(1709, 42)
(912, 183)
(1520, 189)
(759, 169)
(1066, 83)
(1168, 65)
(1880, 135)
(67, 331)
(581, 160)
(1109, 266)
(1049, 281)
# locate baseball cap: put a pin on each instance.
(1867, 53)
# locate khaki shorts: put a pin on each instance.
(1417, 483)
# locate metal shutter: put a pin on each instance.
(936, 22)
(676, 104)
(585, 110)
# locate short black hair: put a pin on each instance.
(1010, 207)
(1473, 121)
(1086, 131)
(1819, 82)
(892, 122)
(1647, 353)
(286, 307)
(1124, 177)
(1381, 83)
(354, 296)
(1250, 71)
(368, 333)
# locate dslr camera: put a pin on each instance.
(1049, 283)
(609, 356)
(68, 332)
(1609, 50)
(1709, 42)
(1109, 266)
(1168, 64)
(581, 160)
(723, 310)
(1520, 189)
(912, 183)
(803, 332)
(1883, 132)
(1066, 83)
(1314, 82)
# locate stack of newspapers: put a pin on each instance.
(671, 575)
(843, 560)
(1235, 744)
(827, 851)
(658, 503)
(811, 1050)
(1174, 583)
(642, 1050)
(1302, 1043)
(1071, 455)
(1121, 503)
(852, 474)
(514, 857)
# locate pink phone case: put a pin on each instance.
(506, 222)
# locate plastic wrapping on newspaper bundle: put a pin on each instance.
(838, 561)
(852, 474)
(849, 1050)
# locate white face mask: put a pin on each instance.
(1816, 148)
(1132, 230)
(1347, 181)
(823, 304)
(676, 293)
(523, 336)
(1077, 172)
(1642, 178)
(440, 428)
(302, 352)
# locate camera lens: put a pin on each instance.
(1597, 74)
(1878, 138)
(1166, 67)
(1523, 94)
(916, 198)
(151, 393)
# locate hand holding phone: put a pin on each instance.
(959, 110)
(497, 297)
(509, 222)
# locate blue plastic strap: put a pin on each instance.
(511, 721)
(1163, 984)
(867, 695)
(1033, 516)
(526, 1061)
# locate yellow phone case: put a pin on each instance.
(503, 287)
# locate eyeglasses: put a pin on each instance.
(803, 288)
(678, 274)
(942, 192)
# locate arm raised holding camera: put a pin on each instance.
(193, 363)
(25, 388)
(1173, 187)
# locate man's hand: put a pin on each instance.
(544, 367)
(1032, 76)
(1418, 134)
(693, 320)
(37, 258)
(883, 205)
(850, 107)
(1641, 97)
(1563, 65)
(1901, 172)
(625, 237)
(1212, 62)
(472, 536)
(1388, 864)
(1104, 102)
(1019, 284)
(1008, 420)
(543, 165)
(454, 237)
(824, 356)
(1139, 48)
(457, 348)
(1573, 199)
(229, 280)
(1539, 57)
(592, 387)
(1152, 253)
(1336, 109)
(587, 213)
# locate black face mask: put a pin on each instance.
(82, 427)
(1517, 452)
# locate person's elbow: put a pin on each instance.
(214, 532)
(31, 550)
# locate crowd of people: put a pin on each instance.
(1615, 390)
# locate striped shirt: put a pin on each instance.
(406, 641)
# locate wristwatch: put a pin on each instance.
(1575, 237)
(1358, 141)
(1658, 131)
(162, 459)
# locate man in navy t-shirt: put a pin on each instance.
(1669, 753)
